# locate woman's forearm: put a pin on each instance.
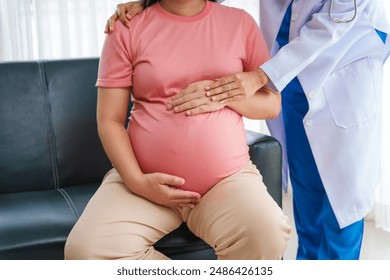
(117, 145)
(111, 116)
(264, 104)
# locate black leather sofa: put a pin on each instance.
(51, 159)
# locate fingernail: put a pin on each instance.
(207, 92)
(170, 106)
(188, 113)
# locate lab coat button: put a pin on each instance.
(294, 17)
(309, 122)
(312, 94)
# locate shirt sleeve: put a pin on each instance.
(256, 48)
(115, 67)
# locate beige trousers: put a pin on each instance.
(237, 217)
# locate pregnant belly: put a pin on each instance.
(200, 149)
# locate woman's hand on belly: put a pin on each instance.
(193, 100)
(162, 189)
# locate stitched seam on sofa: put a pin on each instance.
(70, 202)
(50, 124)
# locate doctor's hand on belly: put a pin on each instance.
(163, 189)
(193, 100)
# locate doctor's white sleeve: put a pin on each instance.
(316, 36)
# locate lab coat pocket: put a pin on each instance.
(351, 94)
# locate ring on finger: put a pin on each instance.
(230, 87)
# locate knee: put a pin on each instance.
(262, 237)
(87, 245)
(268, 237)
(80, 247)
(250, 244)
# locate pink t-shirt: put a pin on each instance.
(159, 55)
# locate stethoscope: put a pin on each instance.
(337, 20)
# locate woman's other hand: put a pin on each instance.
(238, 86)
(124, 12)
(164, 189)
(193, 100)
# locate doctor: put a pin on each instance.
(327, 60)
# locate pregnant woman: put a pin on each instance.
(171, 167)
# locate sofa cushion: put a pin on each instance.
(33, 222)
(71, 92)
(25, 150)
(35, 225)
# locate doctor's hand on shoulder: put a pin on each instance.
(124, 12)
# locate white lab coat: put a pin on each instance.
(340, 68)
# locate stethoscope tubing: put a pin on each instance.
(337, 20)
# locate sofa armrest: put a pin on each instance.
(266, 153)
